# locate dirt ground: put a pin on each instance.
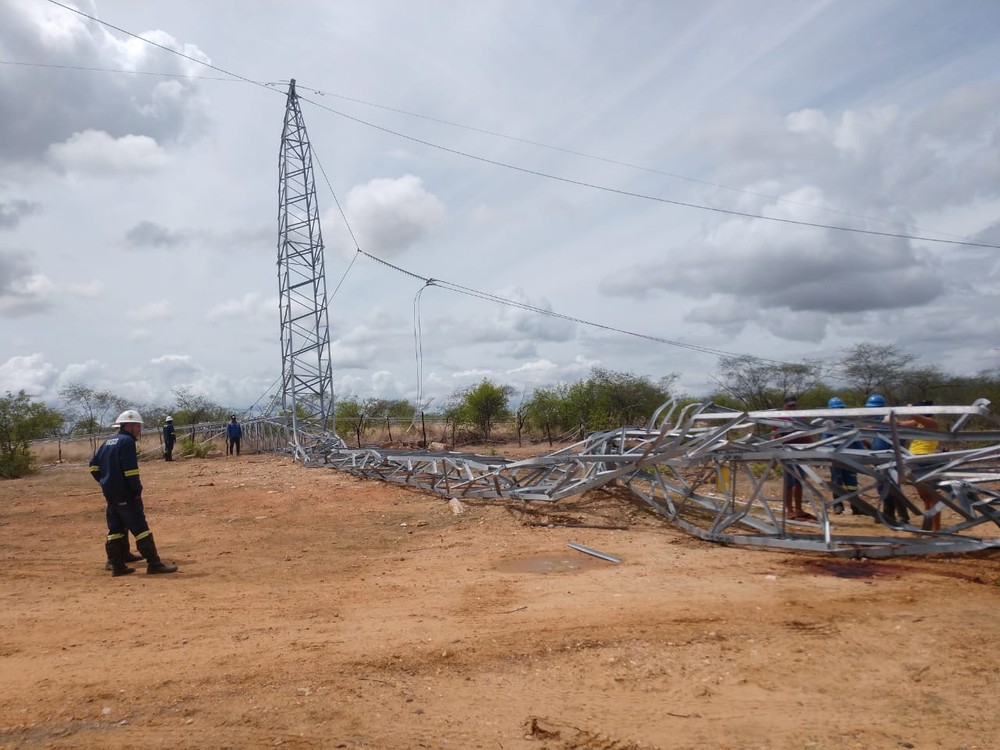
(317, 610)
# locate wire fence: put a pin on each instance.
(205, 438)
(267, 435)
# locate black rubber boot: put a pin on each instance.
(147, 548)
(129, 556)
(116, 549)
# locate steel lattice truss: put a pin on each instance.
(307, 376)
(704, 469)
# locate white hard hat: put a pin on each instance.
(129, 416)
(170, 419)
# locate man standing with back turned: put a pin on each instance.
(116, 467)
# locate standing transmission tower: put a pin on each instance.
(307, 377)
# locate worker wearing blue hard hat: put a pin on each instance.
(893, 504)
(843, 480)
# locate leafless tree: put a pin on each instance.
(869, 368)
(759, 384)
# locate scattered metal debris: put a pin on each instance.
(594, 552)
(704, 469)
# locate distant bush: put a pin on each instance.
(16, 463)
(193, 448)
(21, 421)
(761, 468)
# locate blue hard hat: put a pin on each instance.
(835, 403)
(875, 400)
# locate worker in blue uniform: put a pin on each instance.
(116, 467)
(234, 435)
(894, 502)
(169, 438)
(843, 480)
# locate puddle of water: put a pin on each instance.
(553, 563)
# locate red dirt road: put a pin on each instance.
(316, 610)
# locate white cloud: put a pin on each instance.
(175, 366)
(31, 373)
(806, 121)
(158, 310)
(95, 153)
(389, 216)
(27, 295)
(499, 323)
(582, 364)
(250, 305)
(470, 375)
(771, 266)
(66, 102)
(860, 132)
(23, 290)
(541, 369)
(87, 289)
(344, 355)
(83, 372)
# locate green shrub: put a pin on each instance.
(16, 462)
(21, 421)
(760, 468)
(191, 447)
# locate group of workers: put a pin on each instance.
(234, 436)
(115, 466)
(844, 481)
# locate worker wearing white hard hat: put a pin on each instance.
(169, 438)
(115, 466)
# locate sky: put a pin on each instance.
(666, 177)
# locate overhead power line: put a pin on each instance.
(616, 162)
(538, 173)
(163, 47)
(645, 196)
(470, 292)
(90, 69)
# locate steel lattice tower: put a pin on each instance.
(307, 376)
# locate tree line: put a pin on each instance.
(86, 412)
(867, 368)
(606, 399)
